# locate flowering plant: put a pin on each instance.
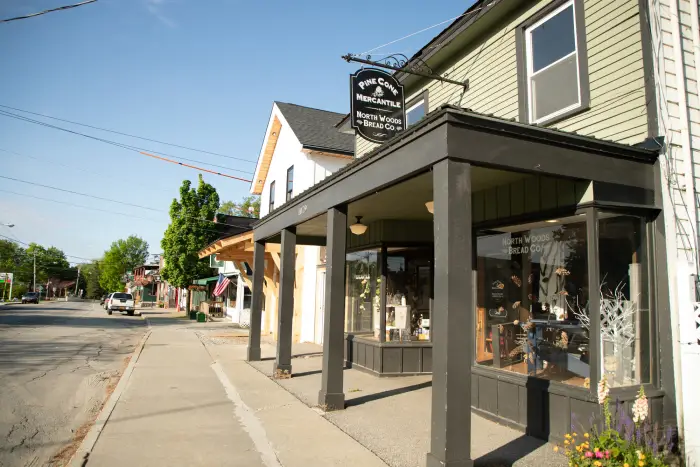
(632, 442)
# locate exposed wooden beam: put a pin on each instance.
(269, 150)
(276, 259)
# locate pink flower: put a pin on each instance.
(607, 454)
(599, 455)
(589, 454)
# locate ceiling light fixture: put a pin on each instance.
(430, 206)
(358, 228)
(552, 221)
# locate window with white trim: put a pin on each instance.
(272, 197)
(553, 64)
(290, 183)
(415, 112)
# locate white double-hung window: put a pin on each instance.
(553, 64)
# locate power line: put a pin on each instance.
(426, 29)
(80, 206)
(106, 199)
(129, 135)
(193, 167)
(27, 244)
(67, 7)
(104, 210)
(107, 141)
(72, 167)
(80, 194)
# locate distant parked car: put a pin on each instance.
(106, 302)
(31, 297)
(102, 300)
(120, 301)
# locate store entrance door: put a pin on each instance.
(320, 305)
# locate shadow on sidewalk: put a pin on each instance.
(298, 355)
(114, 419)
(384, 394)
(510, 452)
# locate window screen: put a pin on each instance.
(415, 113)
(272, 196)
(290, 182)
(552, 64)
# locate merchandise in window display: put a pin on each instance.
(528, 280)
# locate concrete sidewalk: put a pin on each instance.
(181, 407)
(193, 400)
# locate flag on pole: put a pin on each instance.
(221, 285)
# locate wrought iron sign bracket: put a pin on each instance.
(401, 63)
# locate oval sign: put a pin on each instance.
(377, 105)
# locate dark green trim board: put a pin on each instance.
(662, 324)
(594, 344)
(521, 61)
(331, 394)
(453, 349)
(648, 63)
(285, 304)
(474, 138)
(257, 302)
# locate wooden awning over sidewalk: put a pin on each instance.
(239, 250)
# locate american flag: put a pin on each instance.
(221, 285)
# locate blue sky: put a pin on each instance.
(197, 73)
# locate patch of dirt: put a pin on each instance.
(225, 338)
(63, 457)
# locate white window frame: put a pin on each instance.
(529, 57)
(420, 103)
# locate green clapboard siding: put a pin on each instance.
(616, 75)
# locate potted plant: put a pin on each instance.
(632, 442)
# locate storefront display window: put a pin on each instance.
(532, 300)
(624, 309)
(362, 291)
(408, 293)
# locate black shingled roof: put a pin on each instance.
(316, 129)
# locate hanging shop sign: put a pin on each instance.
(377, 105)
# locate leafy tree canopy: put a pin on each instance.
(189, 231)
(91, 273)
(122, 256)
(248, 207)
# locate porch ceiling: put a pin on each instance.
(491, 145)
(406, 200)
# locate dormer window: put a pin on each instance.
(554, 78)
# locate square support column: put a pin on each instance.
(285, 306)
(594, 340)
(331, 395)
(452, 322)
(257, 302)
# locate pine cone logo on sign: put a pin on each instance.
(377, 105)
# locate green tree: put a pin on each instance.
(122, 256)
(50, 262)
(91, 273)
(189, 231)
(249, 207)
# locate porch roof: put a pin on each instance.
(225, 243)
(483, 140)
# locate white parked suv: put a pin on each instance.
(120, 301)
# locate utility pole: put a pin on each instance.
(34, 288)
(76, 282)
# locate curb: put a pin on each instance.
(81, 456)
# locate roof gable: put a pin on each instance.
(316, 129)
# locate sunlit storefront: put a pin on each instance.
(514, 279)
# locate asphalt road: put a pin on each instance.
(57, 362)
